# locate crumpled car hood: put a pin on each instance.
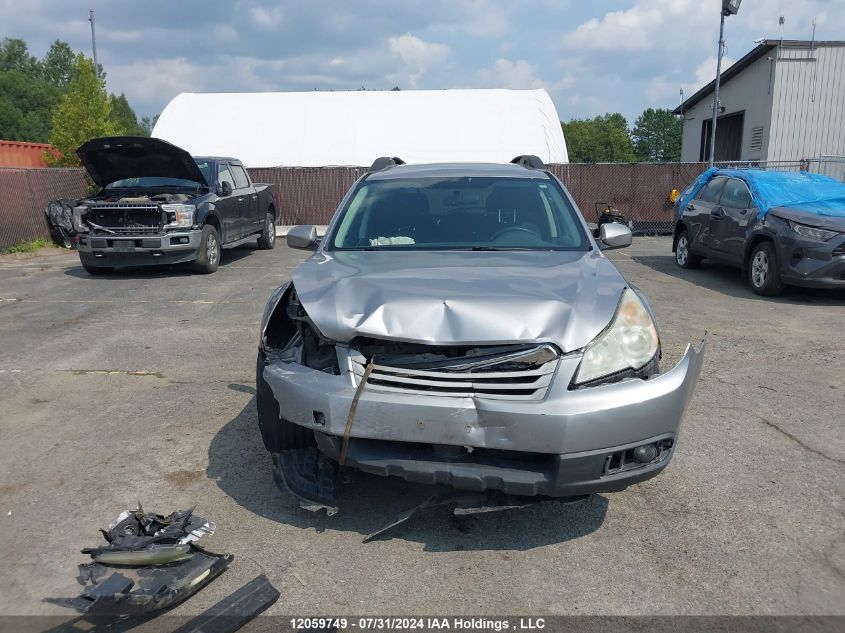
(460, 298)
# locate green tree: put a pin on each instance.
(57, 65)
(31, 90)
(147, 124)
(124, 119)
(84, 113)
(14, 55)
(26, 106)
(657, 136)
(604, 139)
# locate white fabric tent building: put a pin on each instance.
(317, 129)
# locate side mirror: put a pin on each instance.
(225, 188)
(303, 236)
(614, 235)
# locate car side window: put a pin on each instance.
(241, 181)
(224, 175)
(711, 191)
(735, 195)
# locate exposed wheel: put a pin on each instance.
(267, 239)
(97, 270)
(763, 270)
(683, 255)
(208, 254)
(277, 433)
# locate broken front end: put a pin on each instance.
(137, 230)
(519, 419)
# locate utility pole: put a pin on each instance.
(729, 7)
(715, 92)
(94, 42)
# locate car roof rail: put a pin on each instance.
(530, 161)
(383, 162)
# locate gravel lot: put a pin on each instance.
(139, 386)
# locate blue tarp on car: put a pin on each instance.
(811, 193)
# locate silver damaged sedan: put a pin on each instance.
(459, 325)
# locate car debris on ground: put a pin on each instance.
(467, 503)
(151, 562)
(235, 610)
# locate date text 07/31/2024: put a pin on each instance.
(457, 623)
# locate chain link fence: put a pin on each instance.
(831, 166)
(640, 191)
(310, 195)
(24, 194)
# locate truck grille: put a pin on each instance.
(527, 377)
(117, 218)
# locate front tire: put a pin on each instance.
(684, 257)
(267, 239)
(278, 434)
(208, 254)
(763, 270)
(97, 270)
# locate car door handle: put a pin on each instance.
(240, 199)
(255, 197)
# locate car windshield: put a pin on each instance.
(465, 213)
(151, 182)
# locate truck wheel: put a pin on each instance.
(683, 255)
(763, 270)
(97, 270)
(208, 254)
(267, 239)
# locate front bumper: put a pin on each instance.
(811, 263)
(560, 446)
(140, 250)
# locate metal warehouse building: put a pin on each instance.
(783, 101)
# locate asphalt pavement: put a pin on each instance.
(139, 386)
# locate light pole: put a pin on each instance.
(729, 7)
(93, 42)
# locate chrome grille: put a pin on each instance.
(466, 379)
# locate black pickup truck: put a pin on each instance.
(160, 205)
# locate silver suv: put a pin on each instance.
(460, 325)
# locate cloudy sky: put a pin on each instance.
(593, 56)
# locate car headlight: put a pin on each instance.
(181, 215)
(630, 342)
(814, 233)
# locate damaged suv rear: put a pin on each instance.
(459, 325)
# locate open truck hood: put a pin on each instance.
(460, 298)
(114, 158)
